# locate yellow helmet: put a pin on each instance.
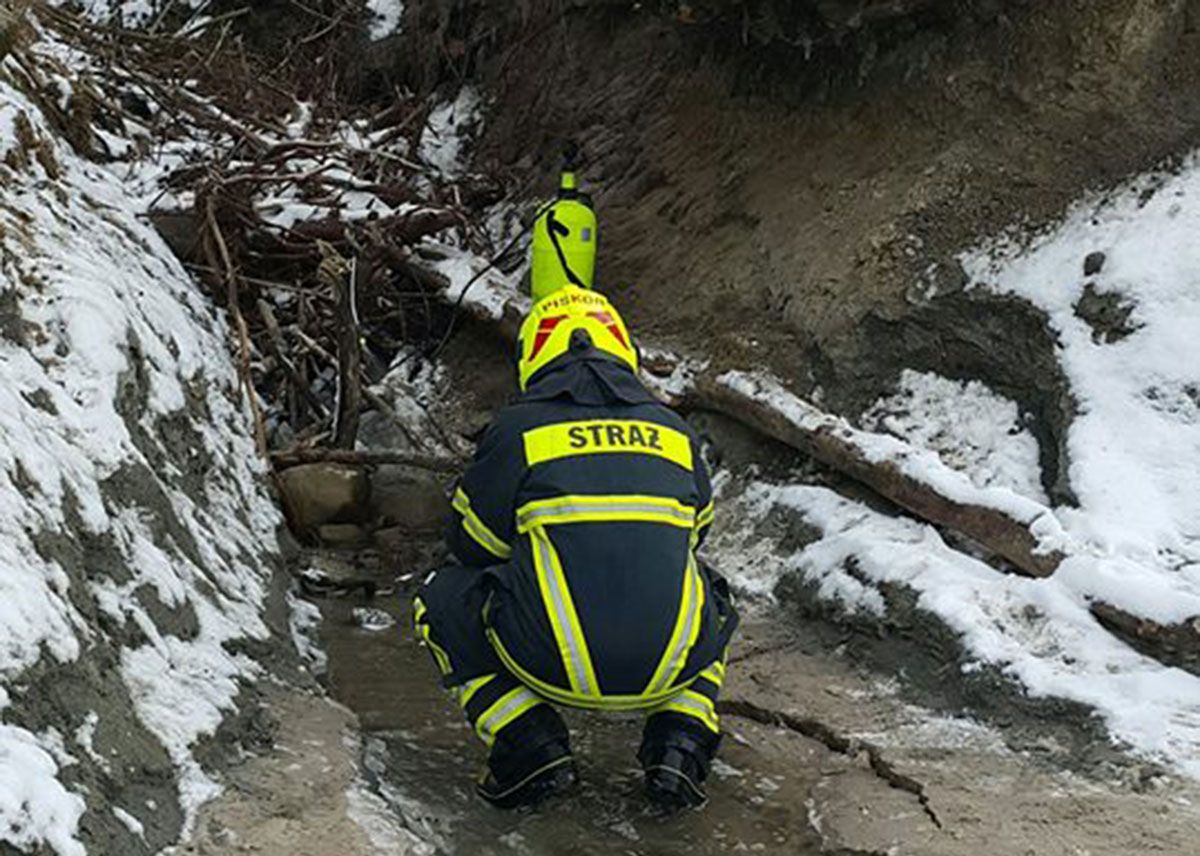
(564, 242)
(546, 333)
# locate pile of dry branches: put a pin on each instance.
(300, 215)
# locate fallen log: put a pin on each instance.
(366, 458)
(1005, 524)
(1011, 527)
(1173, 644)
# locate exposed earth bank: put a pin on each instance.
(789, 184)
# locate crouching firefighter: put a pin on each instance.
(576, 527)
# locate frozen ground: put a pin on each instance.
(137, 538)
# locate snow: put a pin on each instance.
(85, 736)
(130, 13)
(304, 620)
(1135, 445)
(472, 281)
(971, 428)
(34, 807)
(386, 15)
(99, 295)
(446, 132)
(1134, 540)
(135, 826)
(1039, 632)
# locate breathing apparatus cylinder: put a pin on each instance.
(563, 250)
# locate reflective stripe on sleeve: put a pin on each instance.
(477, 529)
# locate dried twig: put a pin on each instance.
(239, 324)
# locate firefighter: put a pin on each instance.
(576, 529)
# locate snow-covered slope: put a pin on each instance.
(136, 538)
(1134, 540)
(1135, 445)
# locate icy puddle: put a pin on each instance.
(424, 758)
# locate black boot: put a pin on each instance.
(544, 773)
(676, 755)
(530, 761)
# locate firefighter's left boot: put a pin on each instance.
(530, 761)
(540, 774)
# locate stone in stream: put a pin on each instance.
(369, 618)
(343, 535)
(411, 499)
(321, 493)
(1094, 263)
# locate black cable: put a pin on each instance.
(456, 309)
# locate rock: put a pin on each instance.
(392, 539)
(343, 535)
(1094, 263)
(411, 499)
(377, 431)
(369, 618)
(182, 231)
(316, 494)
(1107, 313)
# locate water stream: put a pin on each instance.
(425, 758)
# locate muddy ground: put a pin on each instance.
(821, 757)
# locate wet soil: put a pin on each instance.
(426, 759)
(819, 757)
(299, 797)
(805, 185)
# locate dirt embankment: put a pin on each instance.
(790, 183)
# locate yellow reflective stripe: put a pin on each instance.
(693, 704)
(705, 517)
(683, 636)
(506, 708)
(612, 703)
(439, 656)
(560, 609)
(715, 673)
(477, 529)
(607, 436)
(419, 609)
(601, 509)
(467, 691)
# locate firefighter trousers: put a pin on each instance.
(509, 717)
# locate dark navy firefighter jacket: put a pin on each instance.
(585, 503)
